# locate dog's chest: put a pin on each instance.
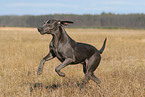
(58, 52)
(61, 49)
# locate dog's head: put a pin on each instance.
(50, 26)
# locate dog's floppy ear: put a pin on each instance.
(66, 22)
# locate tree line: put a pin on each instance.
(104, 20)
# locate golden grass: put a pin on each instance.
(121, 70)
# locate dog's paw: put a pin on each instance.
(60, 74)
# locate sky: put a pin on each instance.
(43, 7)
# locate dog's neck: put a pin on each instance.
(60, 36)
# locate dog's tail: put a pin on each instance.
(103, 47)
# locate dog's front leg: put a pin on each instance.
(64, 64)
(46, 58)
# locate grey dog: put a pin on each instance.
(68, 51)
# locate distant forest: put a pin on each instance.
(104, 20)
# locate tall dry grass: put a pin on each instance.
(121, 71)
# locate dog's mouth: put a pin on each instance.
(41, 31)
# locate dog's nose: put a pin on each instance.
(39, 29)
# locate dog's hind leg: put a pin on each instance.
(95, 79)
(93, 63)
(91, 76)
(84, 67)
(86, 80)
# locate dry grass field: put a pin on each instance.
(121, 71)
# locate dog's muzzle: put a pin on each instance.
(39, 29)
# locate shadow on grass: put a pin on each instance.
(53, 86)
(41, 86)
(66, 85)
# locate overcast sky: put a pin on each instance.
(42, 7)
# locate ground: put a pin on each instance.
(121, 70)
